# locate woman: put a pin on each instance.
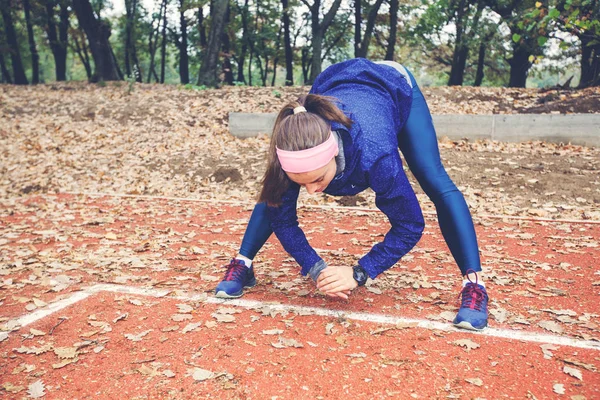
(342, 138)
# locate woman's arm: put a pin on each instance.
(397, 200)
(284, 222)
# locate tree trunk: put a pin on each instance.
(480, 63)
(97, 32)
(305, 64)
(208, 70)
(163, 50)
(81, 51)
(226, 68)
(153, 43)
(35, 57)
(289, 56)
(519, 66)
(242, 58)
(5, 74)
(590, 63)
(357, 27)
(461, 48)
(201, 28)
(318, 32)
(184, 74)
(364, 47)
(60, 48)
(11, 38)
(128, 28)
(391, 47)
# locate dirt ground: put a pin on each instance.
(165, 140)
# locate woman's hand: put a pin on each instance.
(337, 281)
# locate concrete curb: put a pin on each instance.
(579, 129)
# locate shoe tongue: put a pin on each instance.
(241, 262)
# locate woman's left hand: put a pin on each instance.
(334, 279)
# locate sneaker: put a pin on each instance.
(473, 312)
(237, 277)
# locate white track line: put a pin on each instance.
(323, 312)
(323, 207)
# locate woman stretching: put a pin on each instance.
(342, 138)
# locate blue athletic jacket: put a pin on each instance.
(377, 99)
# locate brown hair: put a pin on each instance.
(295, 132)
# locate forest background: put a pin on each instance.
(210, 43)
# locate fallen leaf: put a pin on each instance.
(191, 327)
(467, 344)
(558, 388)
(65, 352)
(181, 317)
(138, 337)
(36, 389)
(64, 362)
(272, 332)
(224, 317)
(574, 372)
(551, 326)
(200, 374)
(475, 381)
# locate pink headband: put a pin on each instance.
(308, 160)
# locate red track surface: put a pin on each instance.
(543, 277)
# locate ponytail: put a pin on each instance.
(294, 132)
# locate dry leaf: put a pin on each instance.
(574, 372)
(551, 326)
(181, 317)
(168, 373)
(467, 344)
(138, 337)
(184, 308)
(558, 388)
(475, 381)
(224, 317)
(191, 327)
(36, 389)
(200, 374)
(64, 362)
(65, 352)
(272, 332)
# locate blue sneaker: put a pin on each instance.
(237, 277)
(473, 312)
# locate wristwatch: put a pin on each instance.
(360, 275)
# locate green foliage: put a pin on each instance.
(191, 86)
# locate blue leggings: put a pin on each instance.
(419, 146)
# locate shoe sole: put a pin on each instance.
(467, 325)
(224, 295)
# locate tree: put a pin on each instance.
(208, 74)
(11, 39)
(163, 49)
(526, 43)
(289, 56)
(35, 57)
(580, 18)
(389, 54)
(131, 8)
(318, 29)
(98, 33)
(184, 74)
(362, 48)
(58, 40)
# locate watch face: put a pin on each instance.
(360, 275)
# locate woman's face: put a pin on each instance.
(315, 181)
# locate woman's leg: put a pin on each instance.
(419, 146)
(240, 274)
(257, 232)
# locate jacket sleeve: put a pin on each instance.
(284, 222)
(396, 199)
